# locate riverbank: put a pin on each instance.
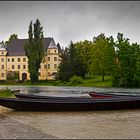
(70, 125)
(91, 82)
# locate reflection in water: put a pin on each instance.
(70, 91)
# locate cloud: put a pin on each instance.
(71, 20)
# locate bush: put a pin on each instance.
(13, 76)
(6, 92)
(75, 80)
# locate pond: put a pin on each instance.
(70, 91)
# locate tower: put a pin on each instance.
(3, 61)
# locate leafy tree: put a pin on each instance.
(34, 49)
(12, 37)
(102, 56)
(64, 67)
(126, 67)
(71, 63)
(84, 51)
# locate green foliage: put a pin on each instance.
(127, 67)
(102, 56)
(6, 92)
(34, 49)
(75, 80)
(13, 75)
(84, 52)
(71, 64)
(12, 37)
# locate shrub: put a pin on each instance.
(75, 80)
(6, 92)
(13, 75)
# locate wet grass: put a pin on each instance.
(6, 92)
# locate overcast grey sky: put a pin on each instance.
(66, 21)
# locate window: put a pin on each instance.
(8, 59)
(2, 66)
(24, 66)
(55, 66)
(18, 66)
(2, 74)
(48, 66)
(12, 59)
(48, 58)
(13, 66)
(39, 74)
(24, 59)
(45, 66)
(2, 59)
(18, 59)
(55, 58)
(55, 51)
(2, 52)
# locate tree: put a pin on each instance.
(128, 62)
(34, 49)
(137, 70)
(64, 67)
(84, 51)
(71, 64)
(12, 37)
(102, 56)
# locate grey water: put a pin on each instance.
(70, 91)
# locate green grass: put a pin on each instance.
(6, 92)
(97, 82)
(94, 82)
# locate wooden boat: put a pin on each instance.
(70, 105)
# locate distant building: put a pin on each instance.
(13, 59)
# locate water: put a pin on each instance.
(70, 91)
(119, 124)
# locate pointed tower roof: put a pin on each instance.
(2, 46)
(52, 44)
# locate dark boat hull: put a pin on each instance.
(67, 105)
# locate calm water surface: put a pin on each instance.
(90, 124)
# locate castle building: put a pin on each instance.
(13, 59)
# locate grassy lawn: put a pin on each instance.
(95, 82)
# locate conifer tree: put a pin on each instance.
(34, 49)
